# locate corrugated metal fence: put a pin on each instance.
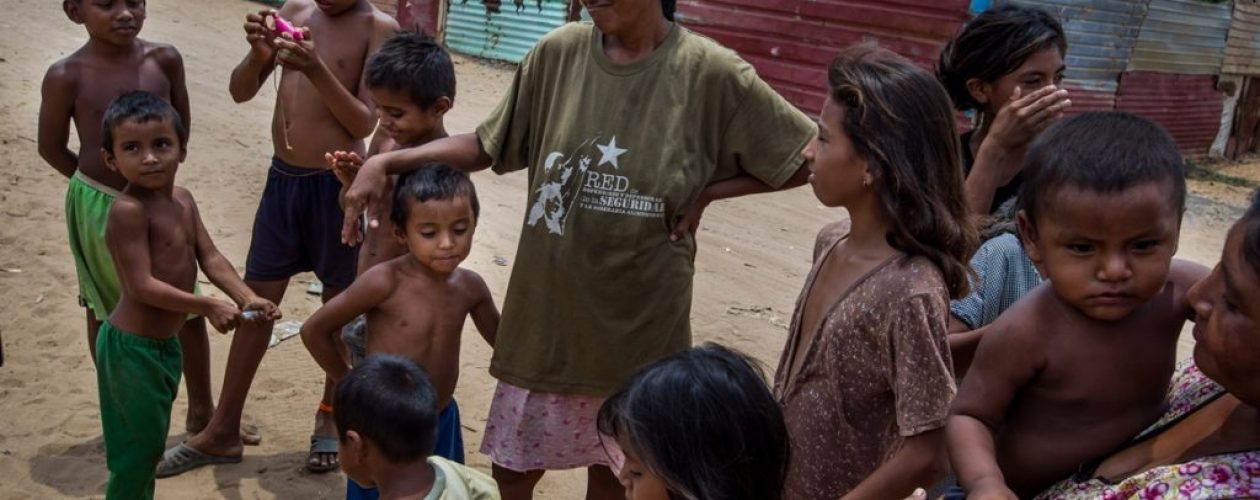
(1185, 37)
(494, 29)
(1242, 48)
(1187, 105)
(790, 42)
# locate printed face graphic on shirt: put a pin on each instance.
(591, 177)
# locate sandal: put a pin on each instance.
(183, 458)
(322, 445)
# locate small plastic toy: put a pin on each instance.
(278, 25)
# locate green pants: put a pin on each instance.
(138, 378)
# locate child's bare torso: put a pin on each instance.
(172, 259)
(1098, 384)
(342, 43)
(422, 320)
(98, 81)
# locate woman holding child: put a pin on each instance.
(629, 127)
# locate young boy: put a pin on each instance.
(412, 81)
(1081, 365)
(416, 304)
(391, 450)
(157, 239)
(77, 89)
(320, 106)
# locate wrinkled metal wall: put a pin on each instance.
(1242, 46)
(1189, 106)
(494, 29)
(1184, 37)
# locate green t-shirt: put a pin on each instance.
(616, 155)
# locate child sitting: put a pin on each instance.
(698, 424)
(386, 415)
(865, 380)
(1081, 364)
(416, 304)
(157, 239)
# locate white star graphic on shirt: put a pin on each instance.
(610, 153)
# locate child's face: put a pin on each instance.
(403, 120)
(1227, 323)
(335, 7)
(439, 233)
(639, 482)
(1039, 70)
(1104, 253)
(115, 21)
(837, 170)
(146, 153)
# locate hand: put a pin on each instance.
(690, 221)
(257, 34)
(1025, 116)
(262, 309)
(344, 165)
(223, 316)
(918, 494)
(364, 197)
(297, 55)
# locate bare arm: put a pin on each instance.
(1185, 274)
(1005, 361)
(365, 195)
(962, 344)
(1000, 156)
(743, 184)
(173, 65)
(128, 241)
(56, 110)
(485, 315)
(922, 460)
(253, 70)
(321, 332)
(221, 272)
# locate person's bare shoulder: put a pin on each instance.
(64, 73)
(1031, 319)
(165, 54)
(471, 283)
(1183, 274)
(382, 22)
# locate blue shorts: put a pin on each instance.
(298, 228)
(450, 445)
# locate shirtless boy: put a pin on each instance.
(157, 239)
(321, 106)
(412, 82)
(416, 304)
(77, 89)
(1081, 364)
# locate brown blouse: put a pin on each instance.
(878, 371)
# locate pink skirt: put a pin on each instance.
(545, 431)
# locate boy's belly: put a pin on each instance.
(438, 355)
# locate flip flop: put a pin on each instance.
(183, 458)
(325, 445)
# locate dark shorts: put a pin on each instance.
(298, 228)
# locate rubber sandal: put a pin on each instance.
(183, 458)
(321, 444)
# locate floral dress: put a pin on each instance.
(1224, 476)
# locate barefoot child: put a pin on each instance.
(321, 106)
(698, 424)
(865, 380)
(412, 82)
(77, 89)
(157, 240)
(416, 304)
(1081, 365)
(393, 450)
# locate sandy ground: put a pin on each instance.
(754, 254)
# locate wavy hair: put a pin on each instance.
(994, 44)
(899, 119)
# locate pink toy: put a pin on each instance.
(278, 25)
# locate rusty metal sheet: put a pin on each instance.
(1182, 36)
(1086, 98)
(496, 29)
(1189, 106)
(790, 42)
(1100, 36)
(1242, 46)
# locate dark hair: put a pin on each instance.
(668, 7)
(140, 106)
(389, 400)
(414, 63)
(705, 422)
(899, 120)
(1103, 152)
(433, 181)
(1251, 239)
(994, 44)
